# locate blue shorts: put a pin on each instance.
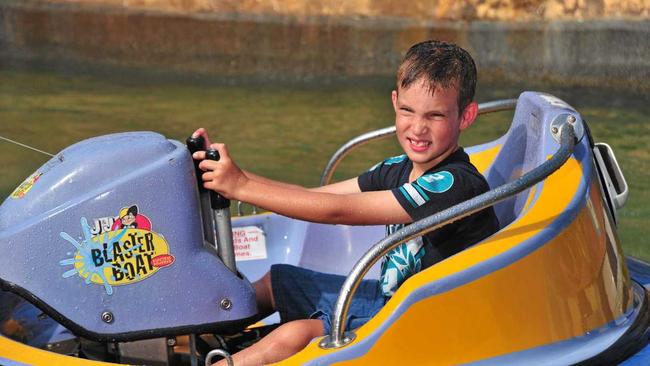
(301, 293)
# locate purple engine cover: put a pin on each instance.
(106, 238)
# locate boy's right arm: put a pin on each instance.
(360, 208)
(343, 187)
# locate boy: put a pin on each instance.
(433, 104)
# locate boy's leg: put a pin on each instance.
(283, 342)
(264, 295)
(302, 293)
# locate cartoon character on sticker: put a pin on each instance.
(129, 218)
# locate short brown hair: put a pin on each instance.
(441, 64)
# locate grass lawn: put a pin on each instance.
(283, 131)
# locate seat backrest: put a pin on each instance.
(523, 148)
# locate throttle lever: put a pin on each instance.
(195, 144)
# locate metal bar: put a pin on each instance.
(497, 106)
(218, 352)
(194, 359)
(225, 246)
(343, 151)
(337, 335)
(349, 146)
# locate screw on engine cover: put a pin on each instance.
(554, 130)
(107, 317)
(571, 119)
(226, 304)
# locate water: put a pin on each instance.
(283, 131)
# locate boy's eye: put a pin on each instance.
(435, 116)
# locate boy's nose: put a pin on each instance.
(420, 126)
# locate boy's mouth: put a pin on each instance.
(419, 145)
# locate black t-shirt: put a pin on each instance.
(452, 181)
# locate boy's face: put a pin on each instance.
(428, 125)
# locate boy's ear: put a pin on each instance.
(469, 115)
(393, 98)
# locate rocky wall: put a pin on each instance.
(509, 10)
(608, 53)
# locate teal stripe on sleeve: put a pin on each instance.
(424, 195)
(407, 196)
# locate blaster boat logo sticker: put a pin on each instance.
(128, 253)
(25, 186)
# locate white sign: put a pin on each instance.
(249, 242)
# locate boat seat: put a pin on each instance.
(521, 151)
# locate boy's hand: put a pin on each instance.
(222, 176)
(202, 132)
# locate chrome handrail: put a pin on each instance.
(343, 151)
(337, 337)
